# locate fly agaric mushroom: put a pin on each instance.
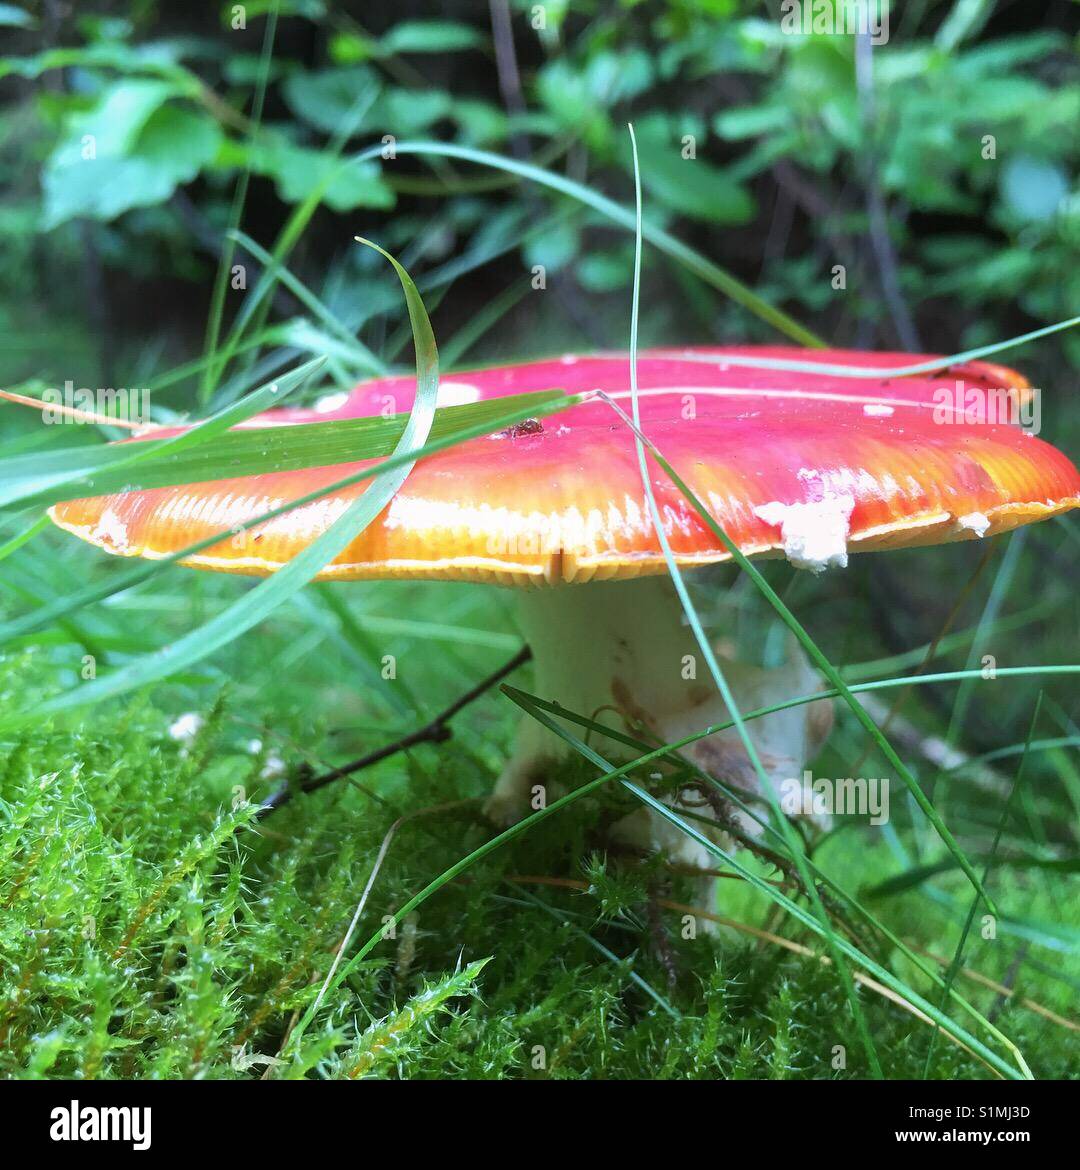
(807, 466)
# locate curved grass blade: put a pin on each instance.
(254, 306)
(471, 332)
(38, 478)
(139, 572)
(529, 822)
(711, 273)
(801, 700)
(919, 655)
(943, 1021)
(791, 838)
(217, 300)
(958, 954)
(807, 918)
(360, 354)
(819, 659)
(623, 964)
(269, 594)
(907, 371)
(198, 365)
(16, 542)
(535, 706)
(708, 271)
(910, 879)
(237, 453)
(1015, 749)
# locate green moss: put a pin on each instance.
(150, 929)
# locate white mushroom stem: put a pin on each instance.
(621, 653)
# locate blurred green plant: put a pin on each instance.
(147, 930)
(140, 133)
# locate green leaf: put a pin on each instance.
(120, 114)
(567, 95)
(618, 77)
(605, 271)
(480, 122)
(13, 17)
(408, 111)
(690, 186)
(1032, 188)
(751, 121)
(135, 162)
(348, 48)
(554, 248)
(431, 36)
(965, 20)
(158, 58)
(324, 98)
(297, 171)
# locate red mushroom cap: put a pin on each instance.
(807, 465)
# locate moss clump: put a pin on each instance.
(149, 930)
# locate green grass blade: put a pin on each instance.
(16, 542)
(623, 964)
(943, 1021)
(910, 879)
(1016, 749)
(958, 954)
(821, 661)
(38, 478)
(807, 918)
(471, 332)
(96, 471)
(842, 371)
(534, 706)
(794, 844)
(221, 282)
(269, 594)
(132, 576)
(816, 696)
(708, 271)
(360, 354)
(254, 311)
(523, 826)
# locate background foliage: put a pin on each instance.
(148, 928)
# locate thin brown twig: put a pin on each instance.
(1002, 990)
(506, 66)
(884, 253)
(72, 412)
(435, 731)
